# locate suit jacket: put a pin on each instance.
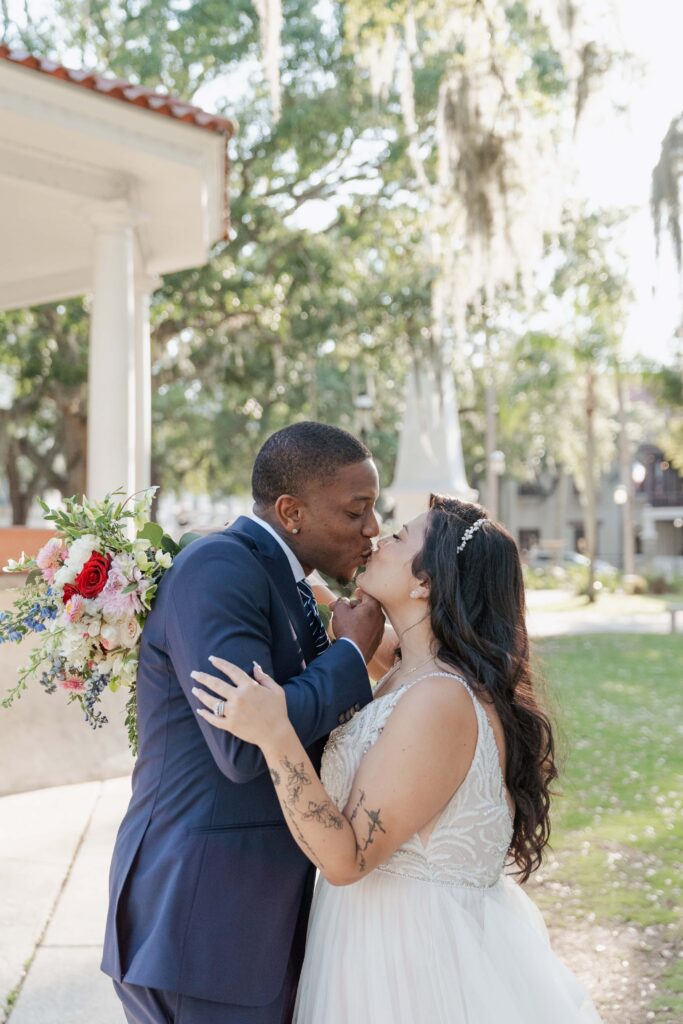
(209, 893)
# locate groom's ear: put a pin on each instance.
(288, 511)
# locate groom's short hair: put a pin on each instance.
(300, 453)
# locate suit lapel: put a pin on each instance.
(280, 571)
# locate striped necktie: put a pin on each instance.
(320, 640)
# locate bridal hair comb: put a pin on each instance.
(469, 533)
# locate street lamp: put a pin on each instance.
(624, 498)
(497, 460)
(638, 473)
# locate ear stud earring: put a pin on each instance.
(295, 530)
(414, 593)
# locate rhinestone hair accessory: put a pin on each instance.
(469, 533)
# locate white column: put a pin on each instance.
(111, 396)
(144, 286)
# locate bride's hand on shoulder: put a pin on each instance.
(254, 710)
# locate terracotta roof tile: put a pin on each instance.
(120, 89)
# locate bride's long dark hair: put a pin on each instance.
(477, 612)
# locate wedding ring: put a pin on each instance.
(219, 709)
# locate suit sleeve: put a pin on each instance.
(219, 605)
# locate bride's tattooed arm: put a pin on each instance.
(402, 784)
(311, 813)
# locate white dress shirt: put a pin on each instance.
(295, 565)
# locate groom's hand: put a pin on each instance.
(361, 621)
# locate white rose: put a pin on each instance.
(129, 632)
(80, 551)
(109, 635)
(93, 626)
(65, 575)
(74, 646)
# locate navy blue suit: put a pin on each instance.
(209, 893)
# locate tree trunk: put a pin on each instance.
(625, 472)
(562, 491)
(20, 496)
(313, 385)
(590, 517)
(492, 479)
(75, 452)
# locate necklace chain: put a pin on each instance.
(410, 671)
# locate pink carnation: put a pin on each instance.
(50, 557)
(72, 683)
(114, 604)
(74, 608)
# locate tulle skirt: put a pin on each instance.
(397, 950)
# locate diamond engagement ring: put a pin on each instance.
(219, 709)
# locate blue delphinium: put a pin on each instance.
(89, 699)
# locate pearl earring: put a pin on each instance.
(295, 530)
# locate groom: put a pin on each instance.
(209, 894)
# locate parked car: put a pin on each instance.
(542, 558)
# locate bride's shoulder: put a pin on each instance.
(433, 706)
(428, 736)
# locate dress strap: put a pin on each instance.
(437, 674)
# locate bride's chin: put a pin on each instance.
(366, 585)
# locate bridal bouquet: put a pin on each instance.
(87, 594)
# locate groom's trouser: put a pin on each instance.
(152, 1006)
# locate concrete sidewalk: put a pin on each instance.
(561, 613)
(54, 861)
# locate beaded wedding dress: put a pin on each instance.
(437, 934)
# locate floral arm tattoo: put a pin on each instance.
(325, 834)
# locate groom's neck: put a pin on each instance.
(269, 515)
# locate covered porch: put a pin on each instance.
(104, 187)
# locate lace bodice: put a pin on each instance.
(469, 844)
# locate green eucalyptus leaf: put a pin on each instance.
(153, 533)
(169, 545)
(187, 538)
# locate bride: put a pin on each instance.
(429, 798)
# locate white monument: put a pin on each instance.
(430, 458)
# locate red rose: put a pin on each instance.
(69, 591)
(93, 576)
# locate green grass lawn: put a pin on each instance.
(618, 817)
